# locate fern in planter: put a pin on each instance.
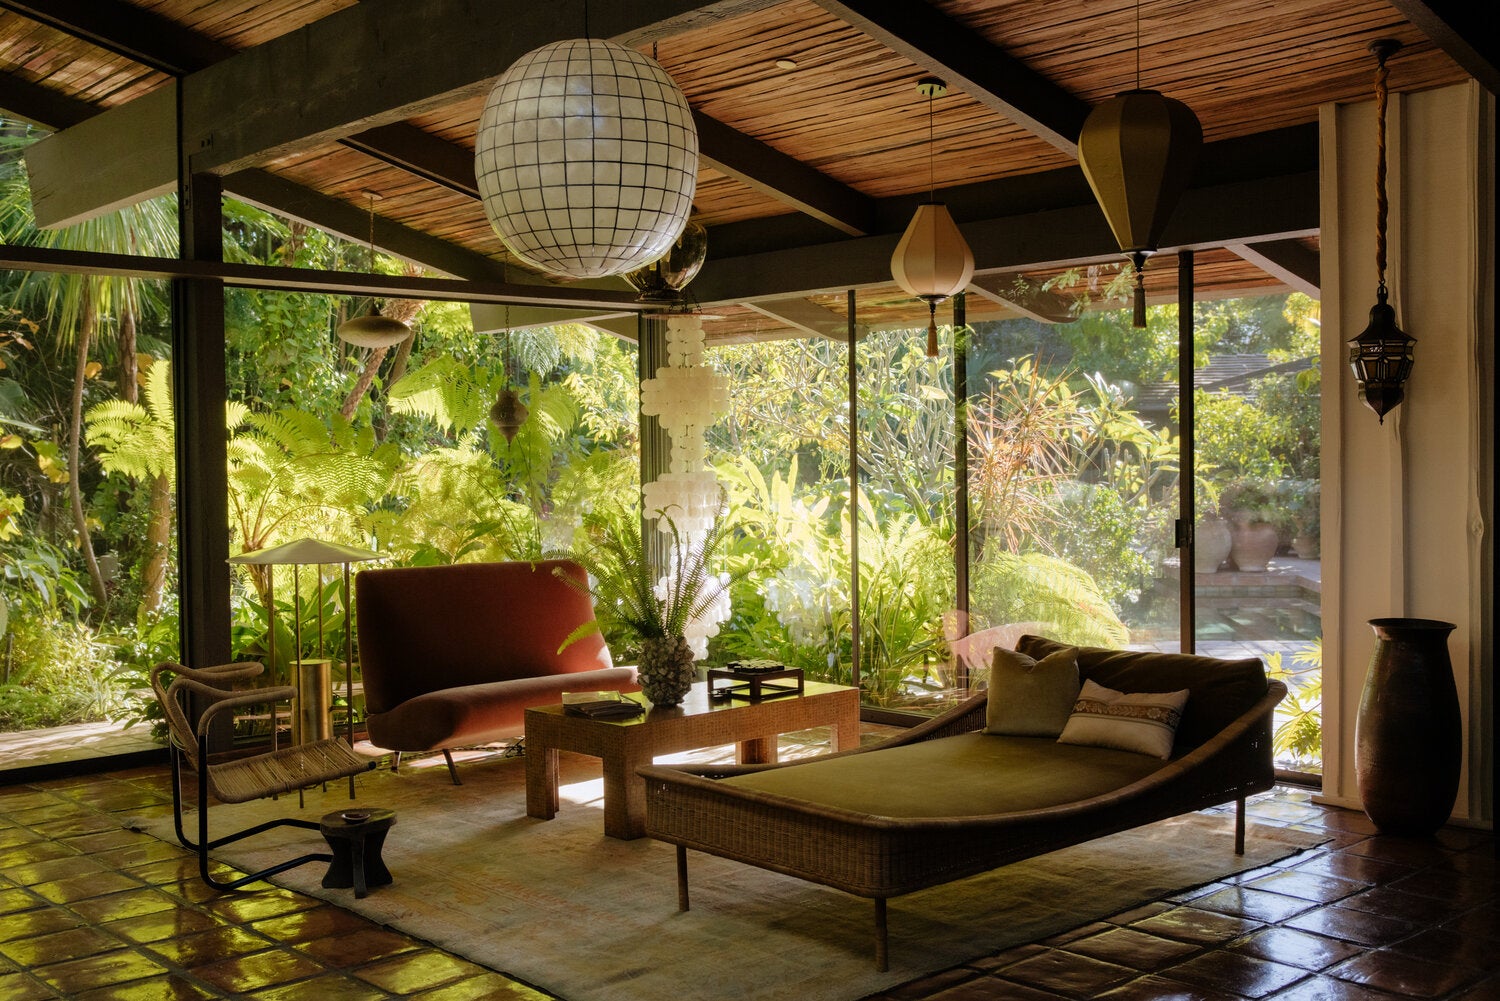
(623, 584)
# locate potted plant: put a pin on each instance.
(1253, 512)
(623, 583)
(1211, 537)
(1304, 508)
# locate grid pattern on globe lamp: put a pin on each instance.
(587, 159)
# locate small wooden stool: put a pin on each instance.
(356, 837)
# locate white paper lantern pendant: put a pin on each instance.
(587, 159)
(932, 261)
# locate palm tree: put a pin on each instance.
(77, 307)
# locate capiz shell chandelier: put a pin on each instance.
(587, 159)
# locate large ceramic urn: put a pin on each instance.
(1408, 737)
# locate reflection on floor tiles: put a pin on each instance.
(90, 911)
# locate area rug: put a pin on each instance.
(560, 906)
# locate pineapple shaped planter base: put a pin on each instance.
(666, 670)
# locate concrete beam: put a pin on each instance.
(806, 315)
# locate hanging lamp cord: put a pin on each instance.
(1137, 44)
(1382, 204)
(931, 151)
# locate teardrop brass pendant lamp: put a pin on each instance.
(932, 261)
(1138, 151)
(1381, 356)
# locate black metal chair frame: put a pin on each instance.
(295, 767)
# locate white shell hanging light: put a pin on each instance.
(932, 261)
(587, 159)
(685, 397)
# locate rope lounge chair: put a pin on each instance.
(239, 779)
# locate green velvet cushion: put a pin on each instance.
(972, 774)
(1031, 698)
(1221, 690)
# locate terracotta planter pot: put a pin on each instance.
(1211, 544)
(1253, 545)
(1408, 736)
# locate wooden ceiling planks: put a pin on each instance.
(850, 107)
(1243, 66)
(242, 24)
(74, 68)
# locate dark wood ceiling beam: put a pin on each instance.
(421, 153)
(943, 46)
(282, 279)
(1279, 207)
(1463, 29)
(41, 106)
(1288, 261)
(332, 215)
(784, 178)
(127, 30)
(299, 90)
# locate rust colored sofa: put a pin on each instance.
(452, 656)
(945, 800)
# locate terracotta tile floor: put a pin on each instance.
(90, 910)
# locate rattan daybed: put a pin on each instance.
(944, 801)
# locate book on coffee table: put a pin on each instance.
(601, 705)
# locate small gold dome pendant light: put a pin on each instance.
(373, 330)
(1138, 151)
(932, 261)
(1381, 357)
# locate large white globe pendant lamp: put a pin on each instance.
(587, 159)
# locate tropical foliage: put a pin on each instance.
(1071, 483)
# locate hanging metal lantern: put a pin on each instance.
(663, 280)
(1138, 151)
(1381, 357)
(586, 158)
(508, 413)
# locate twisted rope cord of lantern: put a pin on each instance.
(1382, 204)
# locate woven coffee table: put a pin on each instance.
(625, 745)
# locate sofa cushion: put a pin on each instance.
(1144, 722)
(967, 775)
(478, 714)
(1028, 697)
(1220, 690)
